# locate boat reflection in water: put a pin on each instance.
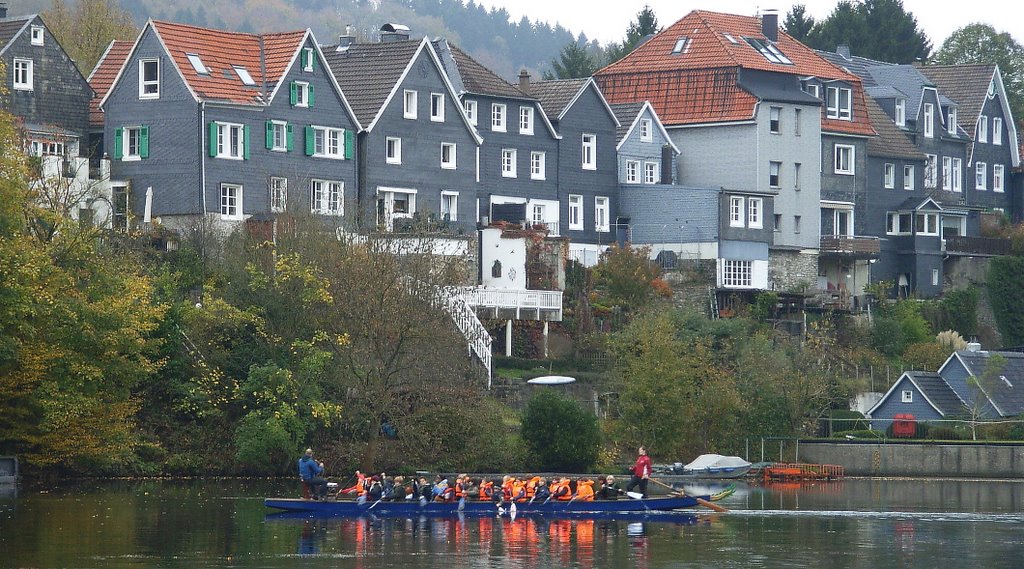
(560, 541)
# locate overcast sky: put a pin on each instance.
(606, 20)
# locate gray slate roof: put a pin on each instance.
(10, 27)
(368, 72)
(967, 84)
(891, 141)
(474, 77)
(904, 79)
(938, 392)
(626, 113)
(555, 95)
(1008, 394)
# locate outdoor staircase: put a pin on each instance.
(713, 301)
(479, 340)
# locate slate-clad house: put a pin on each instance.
(587, 174)
(229, 125)
(418, 152)
(519, 154)
(984, 113)
(101, 78)
(44, 89)
(972, 382)
(747, 105)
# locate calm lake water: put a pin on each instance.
(867, 524)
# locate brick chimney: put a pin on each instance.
(770, 25)
(3, 10)
(346, 39)
(524, 81)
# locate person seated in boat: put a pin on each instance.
(541, 492)
(486, 490)
(561, 490)
(609, 490)
(584, 490)
(519, 490)
(442, 492)
(424, 491)
(375, 492)
(531, 487)
(507, 483)
(388, 488)
(309, 473)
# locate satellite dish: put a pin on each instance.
(551, 380)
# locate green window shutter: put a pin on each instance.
(310, 140)
(245, 142)
(270, 134)
(118, 143)
(309, 88)
(294, 89)
(144, 141)
(302, 59)
(212, 142)
(288, 136)
(350, 144)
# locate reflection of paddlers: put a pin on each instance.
(641, 472)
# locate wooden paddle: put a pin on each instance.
(706, 503)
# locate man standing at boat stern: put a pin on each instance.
(641, 472)
(309, 473)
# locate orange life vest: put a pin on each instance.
(585, 491)
(486, 490)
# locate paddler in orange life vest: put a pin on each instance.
(359, 487)
(560, 490)
(584, 490)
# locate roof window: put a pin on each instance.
(682, 46)
(730, 38)
(1006, 381)
(768, 50)
(197, 64)
(243, 74)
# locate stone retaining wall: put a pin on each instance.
(918, 459)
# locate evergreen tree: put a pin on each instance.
(981, 43)
(573, 62)
(877, 29)
(646, 24)
(798, 23)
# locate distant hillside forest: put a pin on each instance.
(488, 35)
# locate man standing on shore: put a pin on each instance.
(641, 472)
(309, 473)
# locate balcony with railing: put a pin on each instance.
(855, 246)
(976, 246)
(517, 304)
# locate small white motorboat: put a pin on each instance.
(714, 466)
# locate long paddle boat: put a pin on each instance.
(625, 505)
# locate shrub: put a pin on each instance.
(560, 434)
(944, 433)
(1007, 297)
(845, 421)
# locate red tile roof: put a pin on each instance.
(221, 50)
(103, 76)
(700, 84)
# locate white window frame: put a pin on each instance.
(951, 122)
(327, 197)
(652, 172)
(538, 214)
(526, 120)
(197, 63)
(839, 103)
(947, 173)
(930, 225)
(389, 195)
(889, 175)
(931, 170)
(22, 70)
(737, 274)
(509, 158)
(929, 120)
(646, 130)
(410, 101)
(278, 194)
(775, 120)
(449, 157)
(589, 152)
(308, 67)
(498, 115)
(957, 174)
(737, 205)
(230, 141)
(231, 201)
(437, 107)
(935, 277)
(131, 141)
(845, 153)
(538, 165)
(328, 142)
(450, 205)
(149, 88)
(980, 176)
(899, 223)
(38, 35)
(601, 212)
(575, 211)
(983, 128)
(632, 171)
(839, 218)
(302, 94)
(755, 213)
(907, 396)
(900, 112)
(393, 150)
(997, 130)
(775, 171)
(470, 106)
(279, 128)
(998, 172)
(908, 177)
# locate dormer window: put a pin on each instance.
(37, 35)
(839, 104)
(197, 64)
(243, 74)
(307, 59)
(951, 121)
(901, 112)
(812, 89)
(768, 50)
(682, 46)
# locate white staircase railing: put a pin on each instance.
(470, 327)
